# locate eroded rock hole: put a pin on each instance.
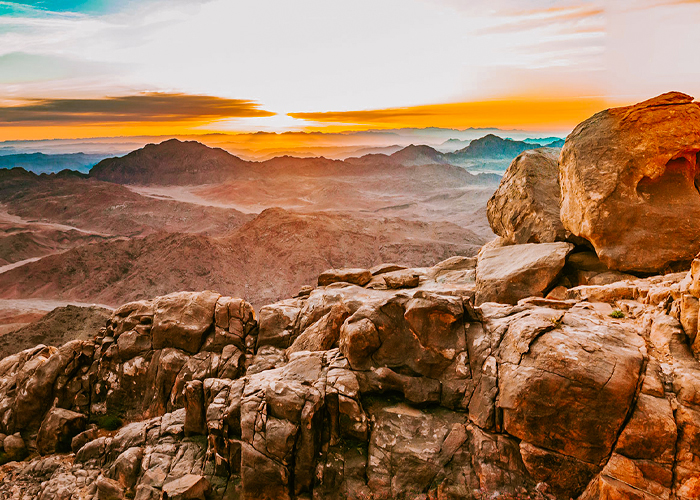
(679, 184)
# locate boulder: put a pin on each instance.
(401, 279)
(358, 277)
(525, 207)
(14, 446)
(58, 429)
(109, 489)
(188, 487)
(628, 183)
(568, 387)
(182, 318)
(324, 333)
(508, 274)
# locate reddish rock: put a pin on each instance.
(628, 183)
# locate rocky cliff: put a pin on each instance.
(384, 383)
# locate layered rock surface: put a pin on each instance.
(368, 392)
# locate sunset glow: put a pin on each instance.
(80, 69)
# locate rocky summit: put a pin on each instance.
(536, 370)
(350, 391)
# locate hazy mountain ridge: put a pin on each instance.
(50, 163)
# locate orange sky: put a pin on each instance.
(94, 68)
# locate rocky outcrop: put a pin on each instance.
(525, 207)
(363, 392)
(510, 273)
(629, 183)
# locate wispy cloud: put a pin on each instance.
(521, 112)
(571, 18)
(146, 107)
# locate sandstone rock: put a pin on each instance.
(401, 279)
(586, 261)
(525, 207)
(324, 333)
(563, 398)
(627, 183)
(182, 318)
(127, 467)
(188, 487)
(277, 324)
(385, 268)
(195, 422)
(58, 429)
(689, 316)
(358, 277)
(109, 489)
(14, 446)
(610, 277)
(511, 273)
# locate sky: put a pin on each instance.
(102, 68)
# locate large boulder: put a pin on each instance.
(567, 383)
(628, 183)
(181, 319)
(525, 207)
(508, 274)
(58, 429)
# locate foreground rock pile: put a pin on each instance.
(368, 392)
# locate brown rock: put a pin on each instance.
(508, 274)
(358, 340)
(324, 333)
(58, 429)
(109, 489)
(689, 316)
(401, 279)
(628, 183)
(385, 268)
(525, 207)
(14, 446)
(195, 422)
(349, 275)
(188, 487)
(564, 396)
(182, 318)
(566, 476)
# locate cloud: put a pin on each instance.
(144, 107)
(566, 18)
(519, 112)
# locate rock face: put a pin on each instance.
(366, 393)
(508, 274)
(525, 207)
(629, 183)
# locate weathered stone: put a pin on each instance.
(109, 489)
(385, 268)
(401, 279)
(525, 207)
(58, 429)
(182, 318)
(188, 487)
(566, 395)
(14, 446)
(358, 277)
(277, 324)
(324, 333)
(627, 183)
(127, 467)
(511, 273)
(195, 422)
(566, 476)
